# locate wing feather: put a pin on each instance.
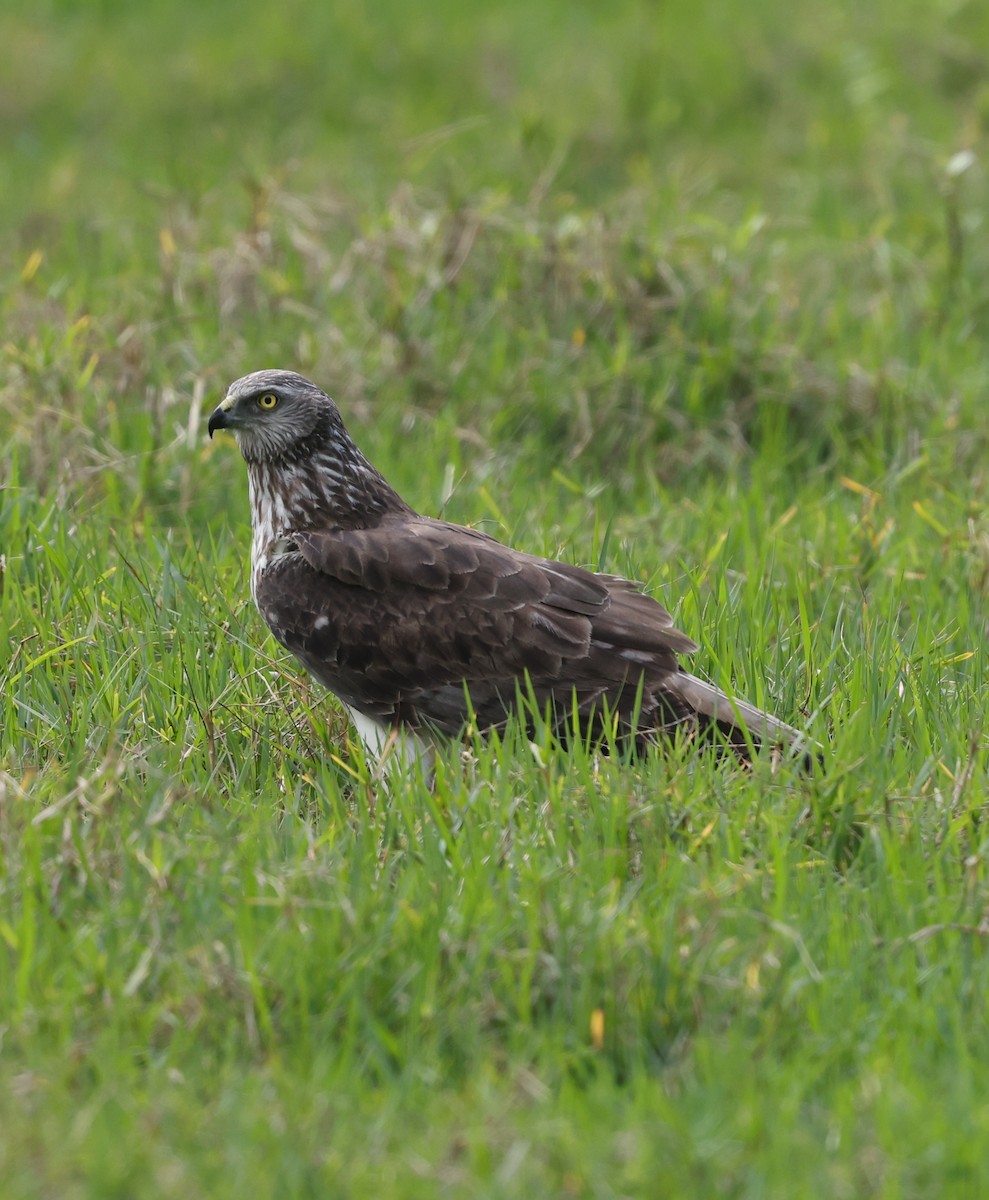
(397, 619)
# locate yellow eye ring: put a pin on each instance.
(268, 400)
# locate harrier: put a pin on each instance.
(420, 626)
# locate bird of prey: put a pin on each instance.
(420, 626)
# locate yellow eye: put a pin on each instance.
(268, 400)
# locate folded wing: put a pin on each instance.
(402, 619)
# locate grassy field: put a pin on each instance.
(694, 293)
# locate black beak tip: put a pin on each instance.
(218, 420)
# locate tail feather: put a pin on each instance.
(733, 714)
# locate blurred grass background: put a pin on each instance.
(697, 293)
(669, 194)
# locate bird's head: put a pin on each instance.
(273, 414)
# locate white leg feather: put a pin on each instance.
(392, 749)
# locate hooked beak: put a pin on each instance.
(220, 416)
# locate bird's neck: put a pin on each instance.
(322, 484)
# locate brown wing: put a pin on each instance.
(397, 619)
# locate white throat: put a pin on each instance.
(271, 521)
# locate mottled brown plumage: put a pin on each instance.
(419, 624)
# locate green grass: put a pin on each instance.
(694, 294)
